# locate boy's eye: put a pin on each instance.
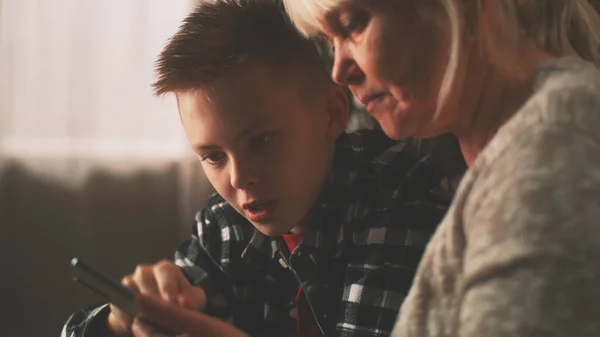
(214, 158)
(262, 140)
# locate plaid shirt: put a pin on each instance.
(355, 263)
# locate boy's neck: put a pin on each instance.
(306, 221)
(308, 218)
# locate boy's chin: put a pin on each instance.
(271, 230)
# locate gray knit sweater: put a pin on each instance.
(518, 254)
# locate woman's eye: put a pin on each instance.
(214, 158)
(331, 45)
(353, 23)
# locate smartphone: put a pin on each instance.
(110, 289)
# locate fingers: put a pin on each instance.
(141, 329)
(144, 280)
(194, 298)
(182, 320)
(175, 288)
(162, 280)
(129, 282)
(118, 321)
(170, 281)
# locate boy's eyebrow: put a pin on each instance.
(254, 125)
(204, 147)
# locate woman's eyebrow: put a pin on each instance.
(331, 21)
(332, 18)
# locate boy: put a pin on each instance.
(312, 231)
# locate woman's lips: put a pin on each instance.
(372, 102)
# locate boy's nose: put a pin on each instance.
(243, 177)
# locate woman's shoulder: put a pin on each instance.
(552, 145)
(567, 91)
(568, 72)
(565, 104)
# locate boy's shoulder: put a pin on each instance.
(216, 203)
(410, 168)
(218, 212)
(219, 219)
(358, 148)
(402, 184)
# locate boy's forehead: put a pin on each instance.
(207, 120)
(250, 87)
(255, 77)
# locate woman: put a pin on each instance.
(516, 81)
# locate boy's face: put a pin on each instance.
(265, 148)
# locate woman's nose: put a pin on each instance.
(345, 70)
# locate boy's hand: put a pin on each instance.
(182, 322)
(163, 280)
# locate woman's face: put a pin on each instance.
(393, 58)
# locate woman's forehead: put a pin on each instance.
(310, 15)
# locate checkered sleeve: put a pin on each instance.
(198, 258)
(90, 321)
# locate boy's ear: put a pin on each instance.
(338, 110)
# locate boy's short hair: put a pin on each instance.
(221, 34)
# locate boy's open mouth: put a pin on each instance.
(255, 206)
(259, 211)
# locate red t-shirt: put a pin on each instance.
(305, 323)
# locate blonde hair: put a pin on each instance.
(565, 27)
(560, 27)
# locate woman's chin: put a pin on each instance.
(393, 132)
(403, 122)
(394, 126)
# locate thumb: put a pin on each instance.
(193, 298)
(141, 329)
